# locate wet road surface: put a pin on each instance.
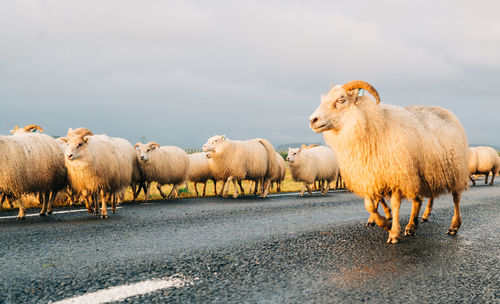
(282, 249)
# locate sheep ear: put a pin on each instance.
(137, 145)
(85, 138)
(223, 137)
(64, 139)
(12, 131)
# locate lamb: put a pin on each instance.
(199, 171)
(234, 161)
(31, 164)
(388, 150)
(483, 160)
(96, 167)
(164, 165)
(311, 164)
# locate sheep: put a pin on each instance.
(234, 161)
(199, 171)
(483, 160)
(311, 164)
(164, 165)
(281, 172)
(31, 164)
(96, 167)
(384, 150)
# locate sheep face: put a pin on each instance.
(75, 147)
(212, 144)
(144, 152)
(330, 113)
(293, 154)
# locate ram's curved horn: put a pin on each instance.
(31, 128)
(359, 84)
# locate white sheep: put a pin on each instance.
(388, 150)
(96, 167)
(164, 165)
(234, 161)
(199, 171)
(31, 164)
(311, 164)
(483, 160)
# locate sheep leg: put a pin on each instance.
(472, 180)
(266, 187)
(428, 209)
(278, 186)
(412, 226)
(381, 221)
(114, 198)
(222, 190)
(225, 189)
(173, 193)
(256, 188)
(457, 218)
(21, 216)
(492, 177)
(196, 188)
(215, 186)
(44, 199)
(241, 188)
(52, 199)
(204, 188)
(387, 209)
(486, 179)
(158, 186)
(304, 186)
(309, 189)
(87, 204)
(396, 228)
(104, 207)
(327, 187)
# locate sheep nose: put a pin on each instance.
(313, 120)
(143, 158)
(70, 157)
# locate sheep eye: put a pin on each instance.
(340, 100)
(79, 145)
(148, 150)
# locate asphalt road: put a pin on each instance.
(281, 249)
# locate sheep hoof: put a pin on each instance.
(410, 230)
(235, 195)
(393, 239)
(49, 212)
(370, 224)
(452, 231)
(21, 218)
(42, 214)
(104, 216)
(423, 220)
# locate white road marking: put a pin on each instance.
(297, 193)
(55, 212)
(122, 292)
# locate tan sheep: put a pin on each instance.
(199, 171)
(483, 160)
(96, 167)
(311, 164)
(388, 150)
(164, 165)
(234, 161)
(31, 164)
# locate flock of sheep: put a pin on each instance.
(381, 151)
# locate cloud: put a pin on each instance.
(180, 71)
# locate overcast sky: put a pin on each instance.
(178, 72)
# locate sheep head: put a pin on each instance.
(144, 150)
(213, 142)
(293, 154)
(75, 145)
(341, 98)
